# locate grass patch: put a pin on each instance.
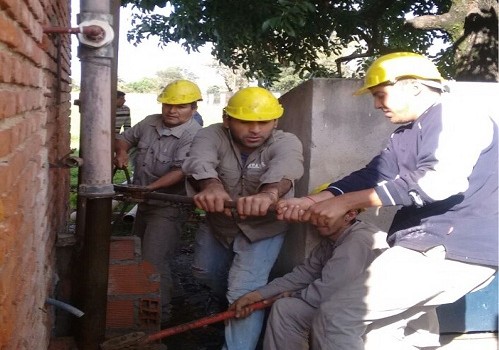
(118, 178)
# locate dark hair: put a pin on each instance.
(120, 93)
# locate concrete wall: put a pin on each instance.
(341, 133)
(34, 134)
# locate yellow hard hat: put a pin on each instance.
(254, 104)
(390, 68)
(180, 92)
(323, 187)
(320, 188)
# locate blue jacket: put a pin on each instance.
(442, 170)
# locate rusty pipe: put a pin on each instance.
(91, 31)
(139, 340)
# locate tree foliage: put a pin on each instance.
(157, 83)
(264, 37)
(170, 74)
(144, 85)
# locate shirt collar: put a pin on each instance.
(176, 131)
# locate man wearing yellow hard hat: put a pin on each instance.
(245, 159)
(162, 142)
(440, 168)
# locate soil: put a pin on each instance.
(191, 300)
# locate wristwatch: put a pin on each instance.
(416, 198)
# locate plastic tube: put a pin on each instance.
(64, 306)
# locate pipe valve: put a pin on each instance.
(95, 33)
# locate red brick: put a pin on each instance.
(140, 279)
(6, 62)
(7, 104)
(123, 249)
(8, 4)
(5, 145)
(10, 32)
(22, 15)
(120, 314)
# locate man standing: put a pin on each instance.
(123, 119)
(440, 166)
(162, 142)
(346, 250)
(247, 160)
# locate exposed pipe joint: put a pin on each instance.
(97, 36)
(93, 33)
(101, 33)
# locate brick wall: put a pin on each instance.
(34, 134)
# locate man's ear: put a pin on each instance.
(350, 215)
(417, 87)
(225, 120)
(276, 121)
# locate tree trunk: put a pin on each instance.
(473, 27)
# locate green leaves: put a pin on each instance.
(264, 37)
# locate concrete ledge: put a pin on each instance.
(469, 341)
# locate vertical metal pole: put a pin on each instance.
(95, 187)
(115, 8)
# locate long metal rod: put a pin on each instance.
(128, 193)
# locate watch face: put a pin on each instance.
(416, 198)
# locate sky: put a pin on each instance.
(144, 60)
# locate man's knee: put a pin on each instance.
(283, 306)
(292, 311)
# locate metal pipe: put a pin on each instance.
(92, 31)
(92, 271)
(95, 190)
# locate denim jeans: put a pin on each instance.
(236, 270)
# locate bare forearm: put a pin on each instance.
(209, 183)
(359, 199)
(121, 146)
(121, 153)
(277, 189)
(171, 178)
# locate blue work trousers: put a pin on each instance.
(236, 270)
